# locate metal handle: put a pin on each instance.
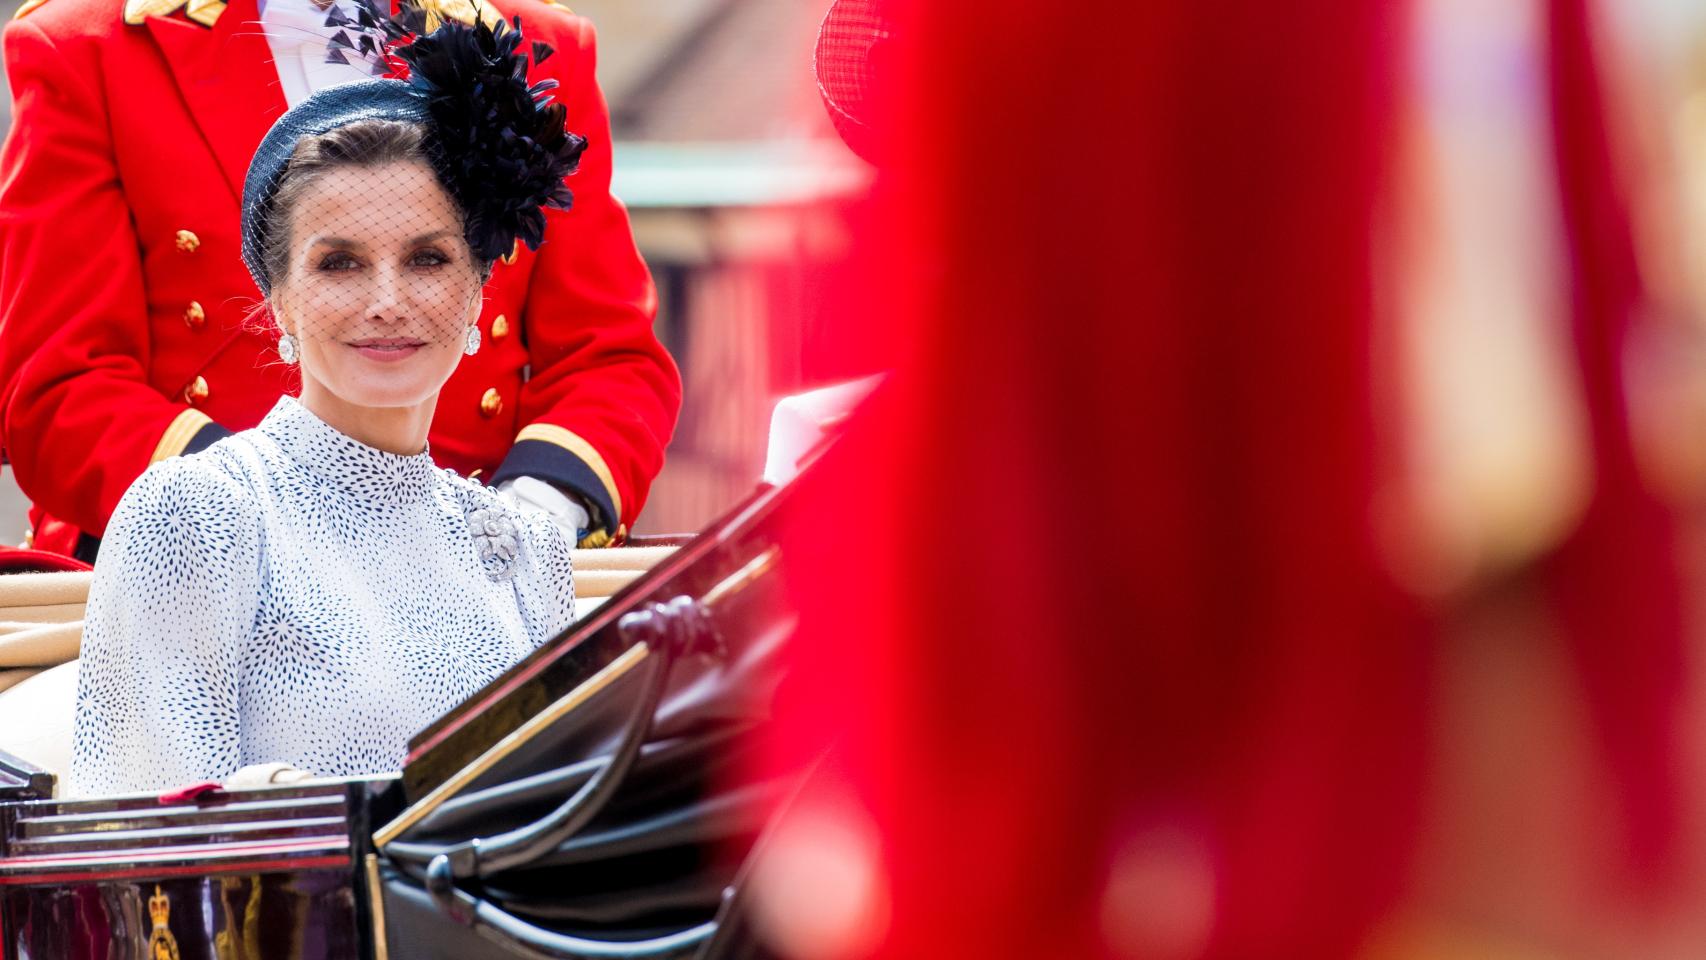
(499, 926)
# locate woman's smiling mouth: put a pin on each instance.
(387, 349)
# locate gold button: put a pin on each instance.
(500, 327)
(196, 392)
(188, 241)
(514, 251)
(491, 404)
(194, 315)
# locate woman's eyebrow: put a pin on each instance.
(353, 244)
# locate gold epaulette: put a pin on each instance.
(204, 12)
(462, 11)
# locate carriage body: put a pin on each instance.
(246, 874)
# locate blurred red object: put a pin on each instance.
(20, 560)
(852, 46)
(1618, 583)
(1115, 664)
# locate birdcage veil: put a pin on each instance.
(394, 195)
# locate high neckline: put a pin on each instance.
(344, 462)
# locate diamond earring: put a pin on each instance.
(287, 348)
(473, 345)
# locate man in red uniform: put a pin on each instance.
(125, 328)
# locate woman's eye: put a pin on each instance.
(337, 261)
(428, 258)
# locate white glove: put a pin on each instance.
(536, 496)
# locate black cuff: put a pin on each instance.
(207, 436)
(554, 465)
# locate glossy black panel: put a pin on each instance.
(311, 915)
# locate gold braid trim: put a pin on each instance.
(137, 11)
(462, 11)
(179, 434)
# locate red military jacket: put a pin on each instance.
(125, 329)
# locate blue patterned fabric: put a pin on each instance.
(289, 594)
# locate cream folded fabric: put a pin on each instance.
(45, 613)
(39, 644)
(603, 583)
(600, 573)
(620, 558)
(29, 590)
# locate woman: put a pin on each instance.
(314, 591)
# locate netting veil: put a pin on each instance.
(373, 210)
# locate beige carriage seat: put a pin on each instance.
(600, 573)
(41, 625)
(41, 628)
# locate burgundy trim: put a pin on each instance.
(193, 869)
(167, 854)
(23, 560)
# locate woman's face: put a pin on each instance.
(381, 288)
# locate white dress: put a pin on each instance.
(289, 594)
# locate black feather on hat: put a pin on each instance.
(503, 140)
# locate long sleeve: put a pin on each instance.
(171, 609)
(74, 331)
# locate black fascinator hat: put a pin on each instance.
(497, 144)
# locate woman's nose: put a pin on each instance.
(385, 303)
